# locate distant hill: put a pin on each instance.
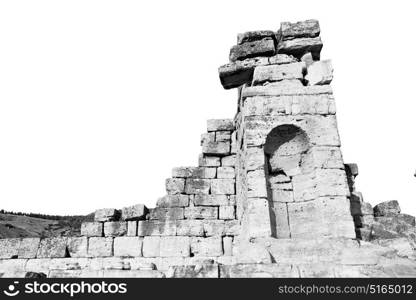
(13, 225)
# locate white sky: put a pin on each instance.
(100, 99)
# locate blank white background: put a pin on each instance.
(100, 99)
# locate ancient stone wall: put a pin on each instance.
(270, 197)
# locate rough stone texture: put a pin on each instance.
(270, 197)
(115, 228)
(92, 229)
(106, 214)
(128, 246)
(263, 47)
(134, 213)
(320, 72)
(387, 208)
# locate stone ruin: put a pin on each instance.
(270, 197)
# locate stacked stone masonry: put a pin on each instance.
(270, 196)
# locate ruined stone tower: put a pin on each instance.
(270, 197)
(291, 181)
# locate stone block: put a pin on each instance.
(193, 271)
(254, 159)
(299, 46)
(216, 148)
(194, 172)
(77, 246)
(92, 229)
(273, 73)
(151, 246)
(280, 59)
(223, 136)
(214, 227)
(387, 208)
(210, 200)
(174, 246)
(257, 222)
(201, 212)
(52, 248)
(220, 125)
(172, 213)
(128, 246)
(256, 35)
(232, 228)
(225, 173)
(173, 201)
(106, 214)
(134, 213)
(351, 169)
(9, 248)
(209, 161)
(175, 186)
(238, 73)
(256, 184)
(207, 247)
(100, 246)
(302, 29)
(207, 137)
(157, 228)
(331, 182)
(232, 199)
(28, 247)
(197, 186)
(222, 186)
(228, 161)
(264, 47)
(190, 227)
(115, 228)
(319, 73)
(132, 228)
(227, 243)
(227, 212)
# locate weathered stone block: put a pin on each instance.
(194, 271)
(175, 186)
(222, 186)
(303, 29)
(207, 137)
(216, 148)
(351, 169)
(9, 248)
(151, 246)
(225, 172)
(173, 201)
(194, 172)
(52, 247)
(227, 212)
(201, 212)
(232, 227)
(280, 220)
(92, 229)
(223, 136)
(264, 47)
(77, 246)
(227, 243)
(220, 125)
(128, 246)
(197, 186)
(190, 227)
(100, 246)
(210, 200)
(273, 73)
(132, 228)
(207, 247)
(280, 59)
(172, 213)
(256, 35)
(28, 247)
(320, 72)
(228, 161)
(106, 214)
(134, 213)
(159, 228)
(299, 46)
(115, 228)
(387, 208)
(174, 246)
(208, 161)
(214, 227)
(256, 184)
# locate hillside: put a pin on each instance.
(20, 225)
